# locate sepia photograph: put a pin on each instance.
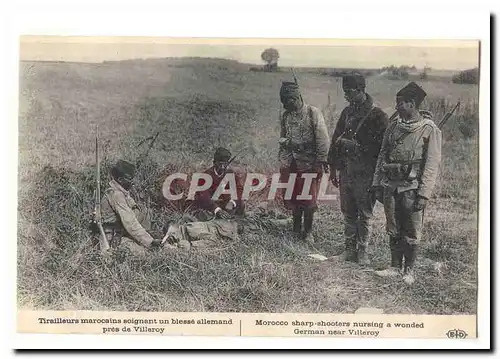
(236, 176)
(248, 186)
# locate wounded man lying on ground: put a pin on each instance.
(201, 234)
(125, 223)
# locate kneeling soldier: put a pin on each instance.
(223, 207)
(405, 176)
(123, 221)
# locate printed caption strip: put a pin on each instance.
(249, 324)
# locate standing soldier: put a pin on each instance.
(303, 150)
(406, 173)
(123, 220)
(353, 153)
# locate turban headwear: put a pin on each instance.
(289, 89)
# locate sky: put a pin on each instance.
(438, 54)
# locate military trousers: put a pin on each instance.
(356, 204)
(403, 225)
(117, 235)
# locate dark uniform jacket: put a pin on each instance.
(369, 136)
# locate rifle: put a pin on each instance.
(103, 241)
(393, 116)
(231, 160)
(296, 83)
(143, 157)
(448, 115)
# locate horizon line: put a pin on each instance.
(239, 62)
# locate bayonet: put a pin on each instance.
(103, 241)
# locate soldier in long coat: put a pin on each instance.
(405, 176)
(352, 157)
(303, 150)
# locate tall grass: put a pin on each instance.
(197, 106)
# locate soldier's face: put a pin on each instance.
(220, 165)
(353, 95)
(291, 103)
(404, 108)
(125, 182)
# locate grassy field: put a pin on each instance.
(199, 104)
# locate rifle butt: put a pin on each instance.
(103, 240)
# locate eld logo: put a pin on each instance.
(456, 334)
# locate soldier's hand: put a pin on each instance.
(378, 191)
(334, 177)
(348, 145)
(326, 167)
(222, 214)
(420, 203)
(284, 142)
(157, 242)
(230, 206)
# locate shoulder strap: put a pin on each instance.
(313, 126)
(415, 143)
(282, 122)
(362, 121)
(313, 129)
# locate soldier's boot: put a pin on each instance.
(396, 261)
(349, 254)
(351, 238)
(297, 220)
(363, 259)
(362, 255)
(308, 225)
(410, 256)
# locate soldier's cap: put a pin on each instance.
(289, 89)
(412, 92)
(221, 154)
(123, 169)
(353, 81)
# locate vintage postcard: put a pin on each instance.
(321, 188)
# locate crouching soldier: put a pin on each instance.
(352, 157)
(124, 222)
(206, 207)
(303, 150)
(405, 176)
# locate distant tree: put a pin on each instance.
(425, 73)
(470, 76)
(397, 73)
(270, 56)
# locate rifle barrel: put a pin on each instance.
(393, 116)
(448, 115)
(98, 171)
(103, 241)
